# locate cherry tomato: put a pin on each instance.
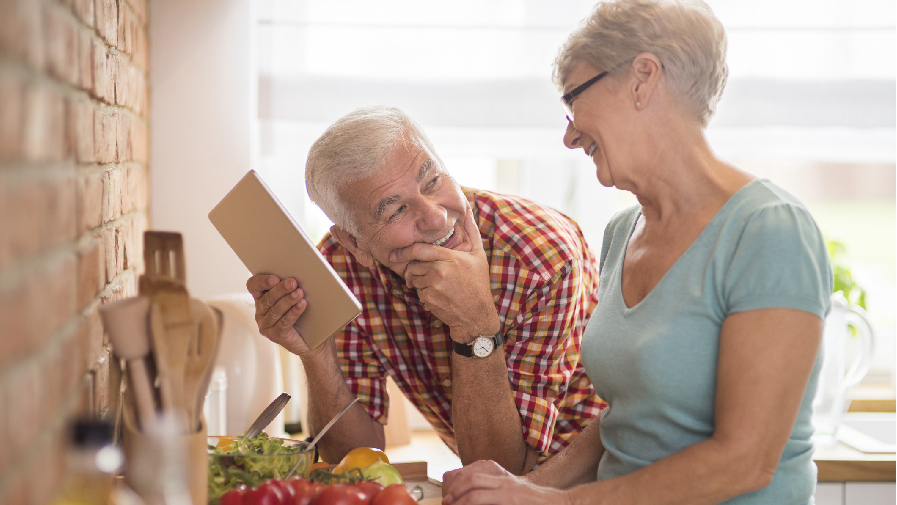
(369, 489)
(266, 494)
(233, 497)
(394, 494)
(339, 494)
(360, 457)
(289, 496)
(303, 489)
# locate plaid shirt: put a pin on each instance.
(544, 283)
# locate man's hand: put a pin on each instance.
(278, 304)
(454, 284)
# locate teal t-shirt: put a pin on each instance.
(655, 363)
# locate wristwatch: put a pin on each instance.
(481, 347)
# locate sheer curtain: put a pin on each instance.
(810, 104)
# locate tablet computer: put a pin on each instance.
(269, 241)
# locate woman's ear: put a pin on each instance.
(351, 244)
(646, 70)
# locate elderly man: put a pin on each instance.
(473, 302)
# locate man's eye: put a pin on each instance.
(433, 182)
(397, 212)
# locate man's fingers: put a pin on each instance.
(472, 231)
(257, 285)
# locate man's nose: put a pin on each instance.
(433, 215)
(571, 136)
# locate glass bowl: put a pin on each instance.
(229, 469)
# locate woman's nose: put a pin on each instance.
(571, 136)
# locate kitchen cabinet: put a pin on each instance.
(856, 493)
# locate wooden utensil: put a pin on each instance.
(201, 359)
(171, 321)
(125, 322)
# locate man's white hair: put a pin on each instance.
(357, 146)
(684, 34)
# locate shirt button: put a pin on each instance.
(447, 383)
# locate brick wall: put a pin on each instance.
(73, 208)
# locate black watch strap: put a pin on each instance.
(466, 350)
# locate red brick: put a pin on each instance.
(21, 31)
(61, 41)
(105, 131)
(81, 130)
(125, 31)
(50, 300)
(101, 383)
(5, 435)
(112, 194)
(123, 138)
(71, 362)
(44, 132)
(91, 273)
(14, 327)
(96, 339)
(90, 202)
(139, 9)
(103, 87)
(139, 142)
(16, 491)
(140, 55)
(84, 10)
(25, 387)
(107, 20)
(114, 253)
(85, 60)
(60, 210)
(12, 105)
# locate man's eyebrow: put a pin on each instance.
(386, 202)
(424, 169)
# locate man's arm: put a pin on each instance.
(277, 306)
(455, 286)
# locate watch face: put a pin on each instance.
(482, 347)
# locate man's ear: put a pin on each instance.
(351, 244)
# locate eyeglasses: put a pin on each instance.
(567, 100)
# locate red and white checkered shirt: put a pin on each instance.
(544, 283)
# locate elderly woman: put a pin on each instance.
(713, 289)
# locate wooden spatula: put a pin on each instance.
(171, 321)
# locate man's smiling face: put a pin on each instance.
(412, 199)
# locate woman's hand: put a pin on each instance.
(485, 482)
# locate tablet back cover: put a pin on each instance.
(268, 241)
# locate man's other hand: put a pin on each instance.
(278, 304)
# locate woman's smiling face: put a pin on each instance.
(412, 199)
(590, 123)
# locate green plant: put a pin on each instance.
(844, 281)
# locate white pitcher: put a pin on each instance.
(838, 377)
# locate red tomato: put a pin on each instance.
(233, 497)
(339, 494)
(266, 494)
(289, 496)
(394, 494)
(369, 489)
(303, 489)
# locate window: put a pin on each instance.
(810, 104)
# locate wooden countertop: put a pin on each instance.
(842, 463)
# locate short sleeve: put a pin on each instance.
(780, 261)
(362, 371)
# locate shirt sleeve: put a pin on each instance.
(780, 261)
(362, 371)
(542, 350)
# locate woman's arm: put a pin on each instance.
(765, 360)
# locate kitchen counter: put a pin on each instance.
(842, 463)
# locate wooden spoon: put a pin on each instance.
(200, 360)
(126, 323)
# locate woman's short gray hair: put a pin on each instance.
(356, 146)
(684, 34)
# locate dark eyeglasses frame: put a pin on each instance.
(567, 100)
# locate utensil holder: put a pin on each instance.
(164, 467)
